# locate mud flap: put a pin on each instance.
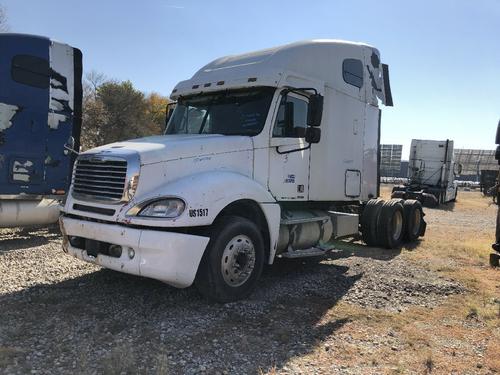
(423, 228)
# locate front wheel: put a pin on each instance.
(233, 260)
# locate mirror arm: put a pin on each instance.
(69, 146)
(66, 147)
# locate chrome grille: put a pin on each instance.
(102, 179)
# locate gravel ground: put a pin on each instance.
(61, 315)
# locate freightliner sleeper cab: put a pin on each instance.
(267, 154)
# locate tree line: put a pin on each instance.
(115, 111)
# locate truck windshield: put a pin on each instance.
(236, 112)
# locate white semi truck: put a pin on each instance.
(431, 173)
(267, 154)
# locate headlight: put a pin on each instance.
(166, 208)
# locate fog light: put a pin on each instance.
(131, 253)
(115, 251)
(77, 242)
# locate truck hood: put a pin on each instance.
(163, 148)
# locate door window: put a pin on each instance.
(298, 130)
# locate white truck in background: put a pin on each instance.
(267, 154)
(431, 173)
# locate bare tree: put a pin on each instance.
(93, 80)
(4, 27)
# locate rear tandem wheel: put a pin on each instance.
(391, 223)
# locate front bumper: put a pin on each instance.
(166, 256)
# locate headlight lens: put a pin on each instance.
(165, 208)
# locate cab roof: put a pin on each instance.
(317, 60)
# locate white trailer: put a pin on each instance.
(431, 173)
(267, 154)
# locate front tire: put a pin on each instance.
(233, 260)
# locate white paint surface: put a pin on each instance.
(317, 60)
(7, 112)
(61, 61)
(55, 119)
(21, 212)
(20, 171)
(158, 149)
(166, 256)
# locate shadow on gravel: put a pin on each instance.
(450, 206)
(108, 322)
(345, 249)
(25, 238)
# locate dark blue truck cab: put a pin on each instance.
(40, 114)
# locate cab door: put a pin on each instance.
(289, 155)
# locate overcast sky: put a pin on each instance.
(444, 55)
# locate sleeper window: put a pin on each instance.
(30, 70)
(352, 72)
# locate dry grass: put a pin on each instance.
(462, 335)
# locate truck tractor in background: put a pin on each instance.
(40, 120)
(487, 182)
(267, 154)
(495, 256)
(431, 173)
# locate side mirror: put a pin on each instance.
(497, 138)
(315, 110)
(313, 135)
(387, 86)
(168, 112)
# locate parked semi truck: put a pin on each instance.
(488, 180)
(431, 173)
(267, 154)
(495, 255)
(40, 119)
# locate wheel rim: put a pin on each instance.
(238, 260)
(417, 217)
(397, 225)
